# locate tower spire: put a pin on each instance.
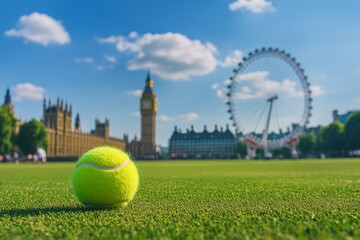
(148, 105)
(148, 77)
(77, 121)
(148, 84)
(7, 97)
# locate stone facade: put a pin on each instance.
(67, 142)
(191, 144)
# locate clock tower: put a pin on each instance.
(148, 106)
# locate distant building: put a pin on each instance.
(341, 117)
(216, 144)
(145, 148)
(313, 130)
(8, 103)
(68, 142)
(64, 141)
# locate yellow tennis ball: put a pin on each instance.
(105, 177)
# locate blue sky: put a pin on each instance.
(94, 54)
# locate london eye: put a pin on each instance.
(269, 99)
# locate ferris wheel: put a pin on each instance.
(269, 99)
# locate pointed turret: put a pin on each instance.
(148, 85)
(7, 101)
(7, 97)
(44, 103)
(77, 123)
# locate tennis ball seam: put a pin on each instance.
(124, 164)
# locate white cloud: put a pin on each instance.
(133, 35)
(104, 67)
(220, 93)
(316, 90)
(227, 82)
(258, 85)
(136, 114)
(164, 118)
(171, 56)
(136, 93)
(84, 60)
(232, 59)
(188, 117)
(219, 90)
(40, 28)
(215, 86)
(111, 59)
(28, 91)
(252, 76)
(254, 6)
(111, 39)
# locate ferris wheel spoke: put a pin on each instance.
(254, 125)
(248, 115)
(268, 95)
(276, 115)
(250, 118)
(286, 112)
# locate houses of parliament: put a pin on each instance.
(68, 142)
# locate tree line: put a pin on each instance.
(30, 136)
(334, 140)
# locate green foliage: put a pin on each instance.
(319, 140)
(6, 130)
(241, 148)
(260, 153)
(333, 137)
(31, 135)
(313, 199)
(307, 143)
(283, 152)
(352, 131)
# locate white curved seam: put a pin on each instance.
(102, 167)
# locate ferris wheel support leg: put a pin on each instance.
(251, 151)
(294, 152)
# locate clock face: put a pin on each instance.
(146, 105)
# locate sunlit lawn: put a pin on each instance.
(317, 199)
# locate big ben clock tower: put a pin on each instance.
(148, 105)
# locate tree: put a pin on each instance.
(307, 143)
(31, 135)
(241, 148)
(352, 131)
(333, 137)
(284, 152)
(6, 130)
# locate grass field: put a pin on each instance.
(316, 199)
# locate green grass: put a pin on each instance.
(316, 199)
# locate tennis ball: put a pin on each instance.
(105, 177)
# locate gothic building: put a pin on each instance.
(8, 103)
(64, 141)
(146, 147)
(68, 142)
